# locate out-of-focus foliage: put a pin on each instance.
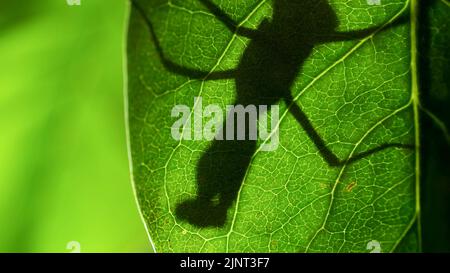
(435, 68)
(63, 161)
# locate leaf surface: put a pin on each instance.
(345, 170)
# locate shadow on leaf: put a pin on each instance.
(264, 76)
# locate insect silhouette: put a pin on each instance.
(265, 74)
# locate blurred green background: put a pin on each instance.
(63, 161)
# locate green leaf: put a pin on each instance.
(345, 175)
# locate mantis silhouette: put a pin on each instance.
(264, 76)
